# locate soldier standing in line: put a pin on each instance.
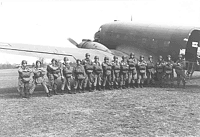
(160, 71)
(132, 73)
(80, 76)
(142, 64)
(107, 73)
(150, 71)
(66, 75)
(97, 73)
(25, 80)
(87, 62)
(116, 72)
(168, 71)
(39, 77)
(124, 72)
(53, 73)
(179, 68)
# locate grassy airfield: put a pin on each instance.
(147, 112)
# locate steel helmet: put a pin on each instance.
(66, 59)
(115, 57)
(141, 56)
(24, 62)
(96, 57)
(38, 61)
(106, 58)
(132, 54)
(53, 60)
(169, 56)
(180, 56)
(160, 57)
(123, 57)
(87, 54)
(78, 60)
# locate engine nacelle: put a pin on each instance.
(88, 44)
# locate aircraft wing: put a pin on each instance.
(51, 52)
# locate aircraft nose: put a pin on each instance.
(97, 36)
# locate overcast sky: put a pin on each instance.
(51, 22)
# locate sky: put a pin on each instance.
(51, 22)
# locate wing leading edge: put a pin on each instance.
(50, 52)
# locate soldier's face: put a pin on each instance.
(24, 64)
(96, 60)
(142, 59)
(132, 56)
(169, 58)
(150, 59)
(54, 62)
(88, 56)
(78, 62)
(66, 61)
(38, 64)
(160, 59)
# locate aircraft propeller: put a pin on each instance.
(73, 42)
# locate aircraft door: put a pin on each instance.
(193, 49)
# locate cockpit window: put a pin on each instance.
(100, 29)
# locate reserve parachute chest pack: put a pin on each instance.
(39, 72)
(98, 68)
(67, 71)
(116, 67)
(124, 67)
(25, 75)
(107, 68)
(132, 64)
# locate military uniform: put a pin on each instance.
(107, 73)
(39, 78)
(179, 68)
(168, 71)
(67, 74)
(160, 71)
(97, 73)
(53, 73)
(132, 73)
(116, 72)
(150, 71)
(124, 72)
(141, 71)
(25, 80)
(89, 72)
(79, 73)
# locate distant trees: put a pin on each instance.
(7, 66)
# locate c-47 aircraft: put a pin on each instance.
(155, 40)
(121, 38)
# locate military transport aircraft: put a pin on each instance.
(150, 39)
(121, 38)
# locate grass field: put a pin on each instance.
(147, 112)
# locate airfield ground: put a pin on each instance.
(147, 112)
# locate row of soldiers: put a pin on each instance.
(93, 75)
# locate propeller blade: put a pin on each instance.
(73, 41)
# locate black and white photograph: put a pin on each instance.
(99, 68)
